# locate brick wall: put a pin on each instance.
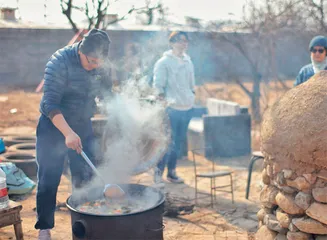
(24, 53)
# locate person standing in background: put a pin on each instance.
(173, 80)
(318, 50)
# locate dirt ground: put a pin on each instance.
(19, 114)
(224, 221)
(21, 108)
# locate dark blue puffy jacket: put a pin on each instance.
(305, 74)
(69, 88)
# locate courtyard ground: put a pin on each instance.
(19, 114)
(224, 221)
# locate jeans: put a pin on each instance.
(179, 121)
(50, 154)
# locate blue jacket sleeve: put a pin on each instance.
(55, 80)
(299, 79)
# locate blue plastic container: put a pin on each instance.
(2, 146)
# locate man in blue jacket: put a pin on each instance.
(74, 76)
(318, 49)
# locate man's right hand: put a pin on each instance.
(74, 142)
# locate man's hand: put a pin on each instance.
(74, 142)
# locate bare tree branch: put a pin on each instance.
(247, 91)
(67, 11)
(150, 11)
(263, 21)
(316, 11)
(119, 19)
(96, 11)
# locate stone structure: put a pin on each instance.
(294, 143)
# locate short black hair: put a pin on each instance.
(95, 44)
(176, 36)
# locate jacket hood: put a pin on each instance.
(169, 53)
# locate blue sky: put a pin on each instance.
(33, 10)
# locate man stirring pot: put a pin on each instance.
(74, 76)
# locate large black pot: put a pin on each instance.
(147, 224)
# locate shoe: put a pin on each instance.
(172, 177)
(44, 234)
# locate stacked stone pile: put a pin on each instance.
(294, 143)
(294, 207)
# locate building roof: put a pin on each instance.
(9, 5)
(121, 25)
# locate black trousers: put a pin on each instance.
(50, 153)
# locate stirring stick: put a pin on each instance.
(107, 187)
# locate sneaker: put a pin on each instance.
(172, 177)
(44, 234)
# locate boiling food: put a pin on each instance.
(105, 207)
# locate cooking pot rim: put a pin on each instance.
(157, 204)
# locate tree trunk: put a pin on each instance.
(255, 99)
(255, 106)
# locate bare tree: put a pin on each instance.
(316, 14)
(259, 29)
(149, 11)
(96, 12)
(67, 7)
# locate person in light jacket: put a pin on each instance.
(173, 80)
(318, 50)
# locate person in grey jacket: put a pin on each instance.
(174, 82)
(74, 76)
(318, 50)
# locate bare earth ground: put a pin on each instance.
(224, 221)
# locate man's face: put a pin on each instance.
(318, 53)
(181, 44)
(90, 63)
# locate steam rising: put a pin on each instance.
(135, 132)
(135, 137)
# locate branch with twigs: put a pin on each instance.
(67, 11)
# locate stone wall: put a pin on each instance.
(293, 205)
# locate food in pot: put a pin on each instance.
(105, 207)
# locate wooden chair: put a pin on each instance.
(212, 175)
(11, 216)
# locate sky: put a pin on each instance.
(33, 10)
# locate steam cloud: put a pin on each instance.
(135, 136)
(135, 131)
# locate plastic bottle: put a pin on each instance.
(4, 199)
